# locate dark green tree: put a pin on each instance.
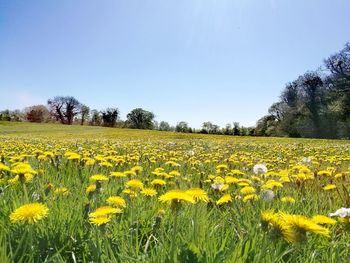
(140, 119)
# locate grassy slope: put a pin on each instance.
(23, 129)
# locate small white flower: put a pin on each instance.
(190, 152)
(217, 186)
(268, 195)
(36, 196)
(306, 160)
(342, 212)
(259, 168)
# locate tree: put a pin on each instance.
(140, 119)
(182, 126)
(208, 127)
(96, 118)
(64, 109)
(311, 97)
(236, 130)
(110, 117)
(228, 129)
(338, 83)
(339, 64)
(37, 113)
(5, 115)
(164, 126)
(266, 126)
(85, 111)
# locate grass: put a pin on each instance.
(144, 231)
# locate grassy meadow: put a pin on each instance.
(94, 194)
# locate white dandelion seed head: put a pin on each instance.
(342, 212)
(260, 168)
(268, 195)
(217, 186)
(306, 160)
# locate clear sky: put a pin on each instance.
(185, 60)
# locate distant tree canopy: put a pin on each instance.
(182, 126)
(140, 119)
(64, 109)
(164, 126)
(314, 105)
(37, 113)
(110, 117)
(11, 115)
(210, 128)
(85, 111)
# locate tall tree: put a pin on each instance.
(164, 126)
(96, 118)
(312, 87)
(110, 117)
(37, 113)
(64, 109)
(182, 126)
(85, 111)
(140, 119)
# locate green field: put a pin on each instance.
(225, 209)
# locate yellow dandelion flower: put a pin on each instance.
(117, 174)
(3, 167)
(29, 213)
(303, 224)
(100, 221)
(158, 182)
(106, 164)
(61, 190)
(174, 173)
(271, 184)
(176, 196)
(227, 198)
(221, 168)
(230, 180)
(22, 168)
(98, 177)
(129, 173)
(248, 190)
(282, 228)
(329, 187)
(288, 200)
(324, 173)
(149, 192)
(323, 220)
(105, 211)
(129, 192)
(137, 169)
(134, 184)
(90, 188)
(198, 195)
(267, 216)
(116, 201)
(250, 197)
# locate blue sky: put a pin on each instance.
(185, 60)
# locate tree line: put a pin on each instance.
(68, 110)
(315, 105)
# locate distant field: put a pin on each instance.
(78, 131)
(94, 194)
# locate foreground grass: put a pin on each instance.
(67, 157)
